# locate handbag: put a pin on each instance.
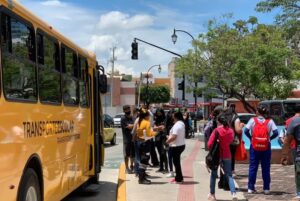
(236, 140)
(212, 159)
(241, 153)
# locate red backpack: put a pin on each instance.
(260, 135)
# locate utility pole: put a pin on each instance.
(113, 59)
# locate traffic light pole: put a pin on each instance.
(183, 77)
(137, 39)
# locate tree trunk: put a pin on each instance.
(248, 106)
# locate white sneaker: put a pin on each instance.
(211, 197)
(251, 191)
(170, 175)
(234, 197)
(267, 192)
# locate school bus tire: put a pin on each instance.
(29, 189)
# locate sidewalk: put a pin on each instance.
(194, 188)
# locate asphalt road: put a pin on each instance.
(106, 191)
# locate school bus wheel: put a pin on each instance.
(29, 189)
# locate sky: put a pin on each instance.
(100, 25)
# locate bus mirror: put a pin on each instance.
(103, 83)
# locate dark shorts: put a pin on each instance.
(128, 149)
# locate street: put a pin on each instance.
(106, 191)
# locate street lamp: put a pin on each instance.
(174, 39)
(147, 92)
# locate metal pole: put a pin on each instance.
(112, 77)
(147, 100)
(183, 88)
(139, 97)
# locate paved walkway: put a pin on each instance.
(282, 183)
(196, 181)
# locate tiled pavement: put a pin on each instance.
(282, 183)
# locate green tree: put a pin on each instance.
(243, 63)
(156, 94)
(288, 18)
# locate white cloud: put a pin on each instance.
(118, 21)
(99, 31)
(52, 3)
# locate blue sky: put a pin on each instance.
(98, 25)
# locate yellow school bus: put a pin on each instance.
(50, 109)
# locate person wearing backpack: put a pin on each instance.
(293, 136)
(260, 147)
(225, 135)
(211, 124)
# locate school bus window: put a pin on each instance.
(49, 77)
(5, 33)
(83, 85)
(70, 82)
(19, 72)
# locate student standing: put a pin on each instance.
(293, 134)
(176, 141)
(128, 146)
(260, 148)
(144, 133)
(225, 136)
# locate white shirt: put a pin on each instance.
(271, 125)
(179, 130)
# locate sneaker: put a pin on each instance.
(211, 197)
(172, 180)
(170, 175)
(128, 171)
(267, 192)
(234, 197)
(251, 191)
(144, 181)
(160, 170)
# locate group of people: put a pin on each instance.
(144, 133)
(226, 128)
(260, 130)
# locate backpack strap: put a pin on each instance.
(264, 123)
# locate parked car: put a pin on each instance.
(108, 121)
(245, 117)
(117, 120)
(110, 135)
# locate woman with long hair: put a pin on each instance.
(144, 132)
(224, 134)
(160, 139)
(176, 141)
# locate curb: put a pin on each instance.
(121, 188)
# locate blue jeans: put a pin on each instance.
(226, 165)
(256, 157)
(137, 158)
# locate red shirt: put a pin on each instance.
(287, 123)
(225, 138)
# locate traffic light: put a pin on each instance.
(134, 50)
(180, 85)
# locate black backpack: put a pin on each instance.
(212, 159)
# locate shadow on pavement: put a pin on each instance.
(190, 183)
(158, 182)
(105, 191)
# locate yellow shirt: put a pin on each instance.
(145, 125)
